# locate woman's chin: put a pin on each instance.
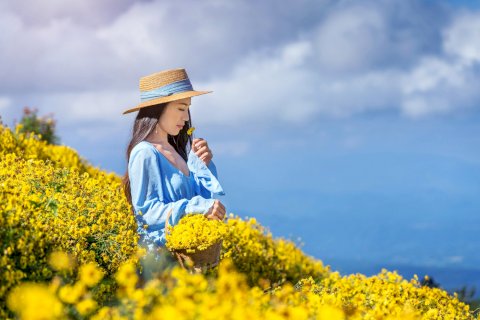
(175, 132)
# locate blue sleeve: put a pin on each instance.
(206, 177)
(213, 168)
(149, 200)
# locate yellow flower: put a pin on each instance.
(34, 301)
(60, 260)
(90, 274)
(86, 306)
(328, 312)
(126, 275)
(190, 130)
(71, 294)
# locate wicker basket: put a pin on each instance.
(198, 261)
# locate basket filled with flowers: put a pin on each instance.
(195, 241)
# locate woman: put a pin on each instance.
(163, 179)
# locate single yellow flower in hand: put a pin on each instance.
(190, 130)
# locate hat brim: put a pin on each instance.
(173, 97)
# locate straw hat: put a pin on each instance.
(164, 86)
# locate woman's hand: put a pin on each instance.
(217, 211)
(201, 149)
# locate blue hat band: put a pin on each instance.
(167, 90)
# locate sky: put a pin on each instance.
(350, 126)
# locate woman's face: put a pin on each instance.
(175, 116)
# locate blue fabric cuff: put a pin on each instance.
(197, 204)
(206, 177)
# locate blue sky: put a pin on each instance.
(351, 124)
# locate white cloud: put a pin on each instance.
(51, 46)
(129, 40)
(282, 87)
(90, 105)
(263, 88)
(417, 107)
(265, 71)
(351, 38)
(271, 87)
(461, 40)
(442, 84)
(432, 72)
(89, 12)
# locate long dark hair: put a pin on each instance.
(145, 122)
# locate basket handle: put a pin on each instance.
(166, 221)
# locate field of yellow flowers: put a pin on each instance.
(69, 251)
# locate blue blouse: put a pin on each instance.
(157, 186)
